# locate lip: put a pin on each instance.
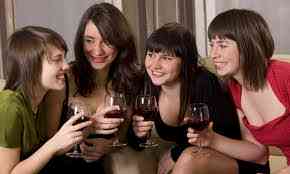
(60, 76)
(98, 59)
(156, 73)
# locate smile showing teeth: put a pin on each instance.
(219, 64)
(157, 74)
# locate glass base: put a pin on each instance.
(74, 154)
(149, 144)
(118, 144)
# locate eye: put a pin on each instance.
(210, 45)
(223, 45)
(167, 58)
(149, 54)
(89, 40)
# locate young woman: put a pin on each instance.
(241, 49)
(105, 63)
(36, 65)
(177, 80)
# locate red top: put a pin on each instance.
(277, 131)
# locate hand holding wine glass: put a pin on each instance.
(117, 99)
(198, 119)
(75, 107)
(146, 106)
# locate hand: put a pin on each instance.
(94, 149)
(166, 163)
(141, 128)
(68, 135)
(104, 125)
(205, 137)
(284, 171)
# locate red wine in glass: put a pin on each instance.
(147, 113)
(197, 124)
(76, 106)
(116, 99)
(146, 106)
(198, 118)
(115, 114)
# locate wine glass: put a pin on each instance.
(117, 99)
(76, 106)
(198, 119)
(146, 106)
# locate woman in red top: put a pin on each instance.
(241, 49)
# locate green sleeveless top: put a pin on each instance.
(19, 126)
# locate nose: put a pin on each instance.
(96, 48)
(65, 66)
(214, 51)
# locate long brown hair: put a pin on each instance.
(115, 30)
(26, 49)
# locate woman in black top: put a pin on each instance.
(177, 80)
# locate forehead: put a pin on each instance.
(91, 30)
(218, 39)
(54, 51)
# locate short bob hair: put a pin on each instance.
(26, 50)
(254, 40)
(115, 30)
(176, 40)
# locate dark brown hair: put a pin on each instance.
(175, 39)
(26, 50)
(115, 30)
(254, 40)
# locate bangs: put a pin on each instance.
(218, 29)
(164, 45)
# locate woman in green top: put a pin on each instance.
(36, 65)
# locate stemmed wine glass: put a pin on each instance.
(198, 119)
(76, 106)
(117, 99)
(146, 106)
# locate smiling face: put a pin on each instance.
(226, 58)
(162, 68)
(99, 52)
(53, 69)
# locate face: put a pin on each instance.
(53, 69)
(163, 69)
(225, 56)
(99, 52)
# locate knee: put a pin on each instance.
(199, 160)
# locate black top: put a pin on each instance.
(206, 89)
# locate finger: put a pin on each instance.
(192, 135)
(106, 132)
(210, 126)
(190, 130)
(109, 120)
(73, 119)
(193, 141)
(82, 125)
(138, 118)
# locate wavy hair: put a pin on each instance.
(115, 30)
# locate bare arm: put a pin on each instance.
(248, 149)
(62, 141)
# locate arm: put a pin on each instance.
(65, 138)
(247, 149)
